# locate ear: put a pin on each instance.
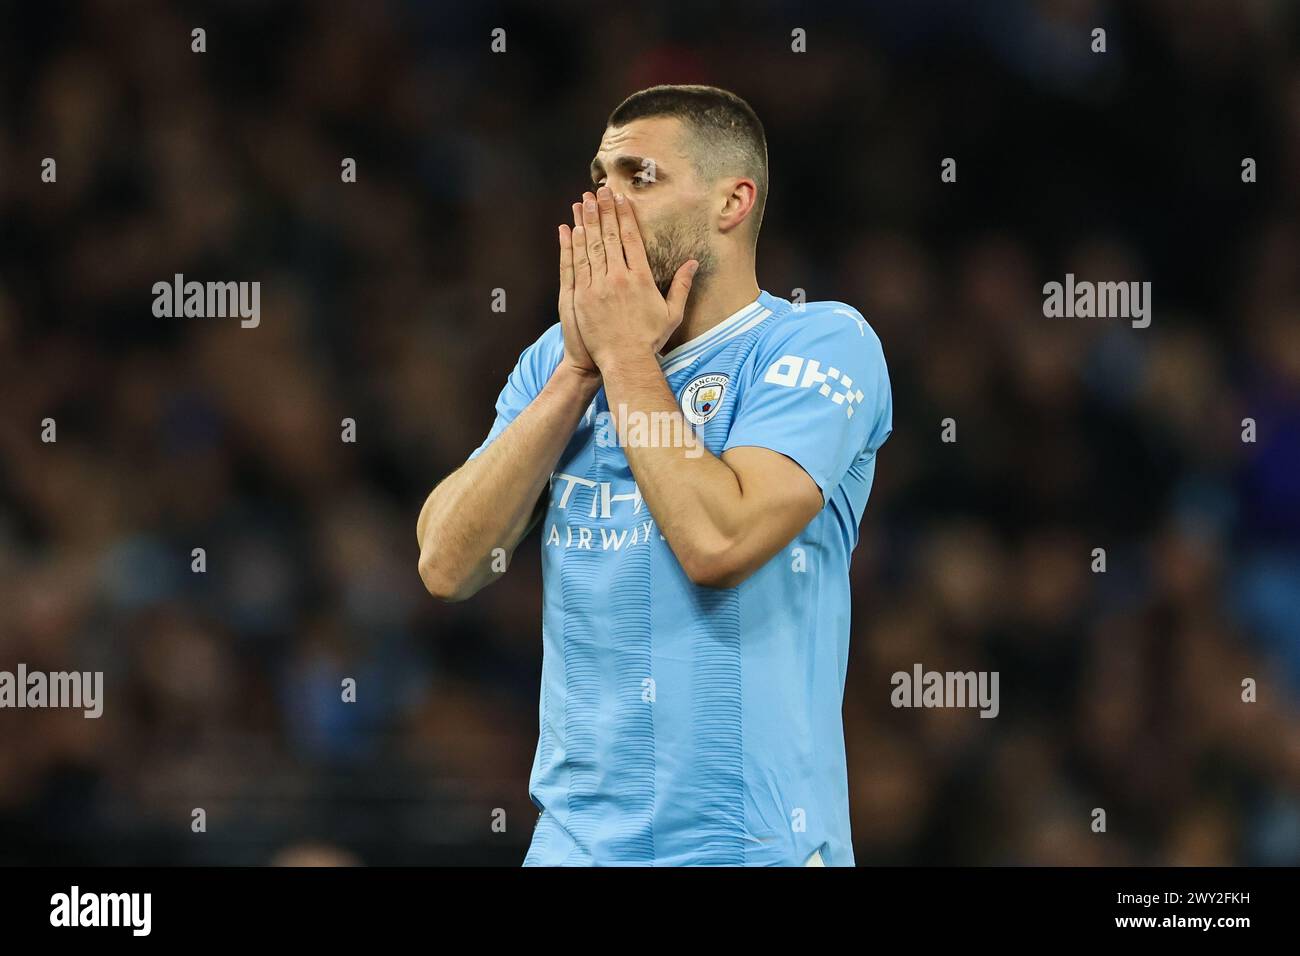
(738, 200)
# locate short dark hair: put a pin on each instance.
(729, 138)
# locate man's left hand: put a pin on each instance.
(619, 310)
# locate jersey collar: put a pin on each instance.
(738, 321)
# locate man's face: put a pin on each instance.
(646, 161)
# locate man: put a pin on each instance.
(699, 454)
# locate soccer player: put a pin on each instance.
(699, 454)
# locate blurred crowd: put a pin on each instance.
(1121, 689)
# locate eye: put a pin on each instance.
(641, 180)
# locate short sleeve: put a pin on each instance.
(530, 373)
(816, 390)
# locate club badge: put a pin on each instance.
(702, 397)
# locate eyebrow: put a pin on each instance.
(628, 164)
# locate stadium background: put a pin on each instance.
(1119, 690)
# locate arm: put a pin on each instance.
(491, 501)
(723, 517)
(494, 499)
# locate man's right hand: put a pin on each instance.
(575, 352)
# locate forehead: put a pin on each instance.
(657, 137)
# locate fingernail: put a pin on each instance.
(591, 205)
(618, 197)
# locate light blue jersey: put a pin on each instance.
(691, 725)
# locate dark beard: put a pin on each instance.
(672, 245)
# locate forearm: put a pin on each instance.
(488, 503)
(696, 499)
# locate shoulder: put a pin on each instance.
(551, 341)
(834, 330)
(545, 352)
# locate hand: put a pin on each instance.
(618, 309)
(575, 352)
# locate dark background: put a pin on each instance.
(1119, 690)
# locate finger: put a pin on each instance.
(630, 234)
(591, 233)
(609, 233)
(680, 289)
(566, 269)
(581, 267)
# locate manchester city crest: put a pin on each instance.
(702, 397)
